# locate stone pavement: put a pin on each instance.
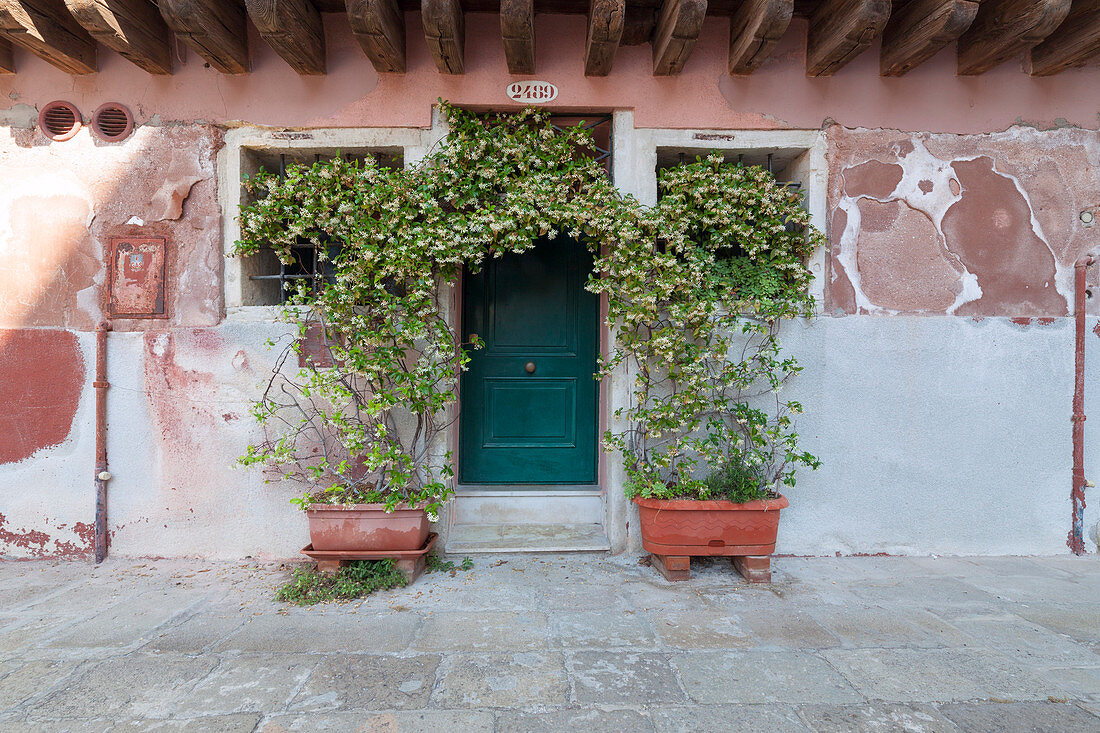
(557, 643)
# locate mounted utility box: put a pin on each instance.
(136, 275)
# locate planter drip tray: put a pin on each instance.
(409, 562)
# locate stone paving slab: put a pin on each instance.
(212, 724)
(502, 680)
(252, 683)
(876, 717)
(367, 682)
(758, 676)
(602, 630)
(571, 642)
(622, 678)
(1021, 717)
(584, 719)
(138, 685)
(484, 631)
(336, 632)
(428, 721)
(725, 718)
(932, 675)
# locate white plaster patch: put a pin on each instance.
(848, 256)
(160, 344)
(920, 165)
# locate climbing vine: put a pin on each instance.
(696, 287)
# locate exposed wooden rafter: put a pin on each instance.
(379, 26)
(840, 30)
(1051, 35)
(678, 28)
(445, 32)
(755, 27)
(1073, 43)
(216, 29)
(638, 25)
(606, 19)
(132, 28)
(294, 30)
(47, 29)
(7, 60)
(921, 28)
(517, 28)
(1005, 29)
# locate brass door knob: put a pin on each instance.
(530, 367)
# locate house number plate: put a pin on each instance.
(532, 92)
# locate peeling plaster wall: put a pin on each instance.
(967, 225)
(61, 202)
(178, 402)
(937, 380)
(46, 501)
(184, 395)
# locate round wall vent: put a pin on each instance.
(112, 122)
(59, 121)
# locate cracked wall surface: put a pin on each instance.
(60, 204)
(967, 225)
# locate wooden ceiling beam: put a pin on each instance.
(755, 28)
(445, 32)
(294, 30)
(920, 29)
(1005, 29)
(379, 26)
(1072, 43)
(48, 30)
(132, 28)
(678, 28)
(517, 28)
(638, 25)
(606, 19)
(840, 30)
(216, 30)
(7, 58)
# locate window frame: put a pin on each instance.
(246, 146)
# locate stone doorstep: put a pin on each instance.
(530, 505)
(513, 538)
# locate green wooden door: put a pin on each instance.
(528, 404)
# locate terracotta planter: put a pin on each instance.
(685, 527)
(366, 527)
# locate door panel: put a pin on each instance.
(521, 412)
(521, 426)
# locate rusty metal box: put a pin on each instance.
(136, 277)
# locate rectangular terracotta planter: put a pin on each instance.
(366, 527)
(685, 527)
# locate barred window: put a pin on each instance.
(269, 281)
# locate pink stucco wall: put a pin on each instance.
(929, 98)
(935, 183)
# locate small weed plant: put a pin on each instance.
(359, 578)
(435, 563)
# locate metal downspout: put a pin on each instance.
(101, 475)
(1077, 495)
